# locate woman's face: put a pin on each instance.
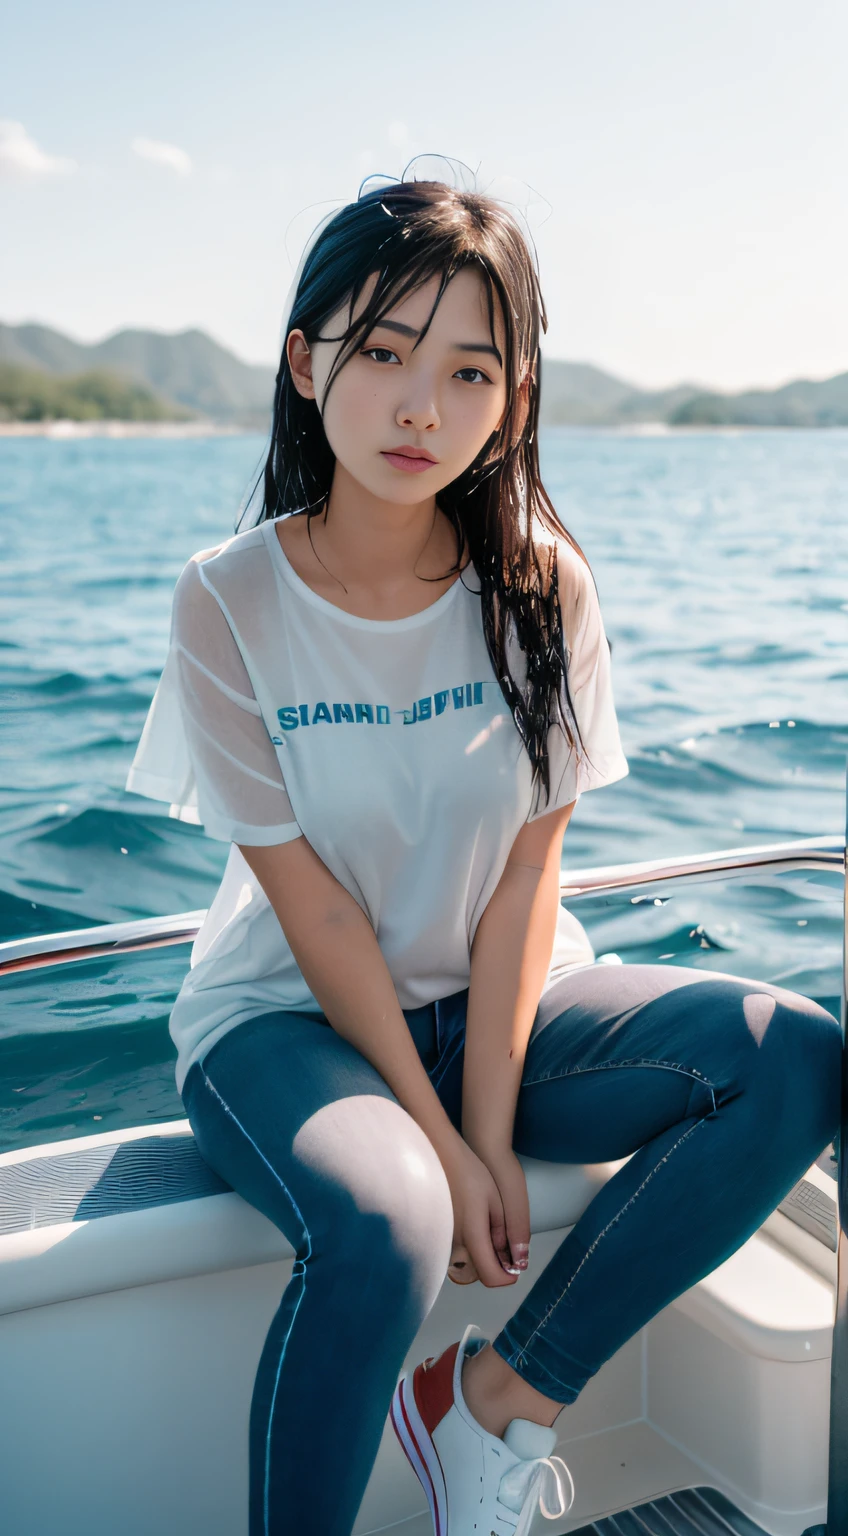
(442, 398)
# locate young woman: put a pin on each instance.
(388, 696)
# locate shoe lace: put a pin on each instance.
(537, 1484)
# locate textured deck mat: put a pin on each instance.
(694, 1512)
(103, 1181)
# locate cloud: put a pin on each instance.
(163, 154)
(21, 156)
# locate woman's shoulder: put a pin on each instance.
(232, 552)
(233, 583)
(223, 569)
(575, 582)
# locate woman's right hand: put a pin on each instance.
(480, 1247)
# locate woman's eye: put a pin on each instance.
(380, 354)
(481, 376)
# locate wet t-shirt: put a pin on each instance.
(387, 743)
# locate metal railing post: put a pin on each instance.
(837, 1480)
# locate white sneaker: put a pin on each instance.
(476, 1484)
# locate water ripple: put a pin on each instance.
(722, 566)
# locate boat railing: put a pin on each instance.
(822, 853)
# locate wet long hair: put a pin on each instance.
(408, 233)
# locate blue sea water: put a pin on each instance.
(722, 565)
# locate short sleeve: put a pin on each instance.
(597, 757)
(205, 747)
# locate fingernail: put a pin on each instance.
(511, 1269)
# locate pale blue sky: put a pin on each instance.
(694, 152)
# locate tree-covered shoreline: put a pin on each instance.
(32, 394)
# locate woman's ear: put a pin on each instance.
(300, 363)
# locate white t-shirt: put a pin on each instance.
(386, 742)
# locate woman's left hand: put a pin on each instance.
(512, 1245)
(510, 1240)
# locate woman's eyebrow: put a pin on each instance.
(477, 346)
(458, 346)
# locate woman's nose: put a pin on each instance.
(420, 413)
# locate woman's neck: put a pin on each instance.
(370, 557)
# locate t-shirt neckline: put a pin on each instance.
(331, 610)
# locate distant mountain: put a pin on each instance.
(579, 394)
(804, 403)
(188, 371)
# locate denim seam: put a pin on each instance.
(289, 1196)
(446, 1060)
(609, 1066)
(521, 1354)
(552, 1384)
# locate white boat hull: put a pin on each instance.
(129, 1344)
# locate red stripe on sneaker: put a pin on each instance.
(434, 1501)
(433, 1388)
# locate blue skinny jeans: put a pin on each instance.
(724, 1091)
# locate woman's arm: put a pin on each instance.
(510, 957)
(336, 948)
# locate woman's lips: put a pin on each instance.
(404, 461)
